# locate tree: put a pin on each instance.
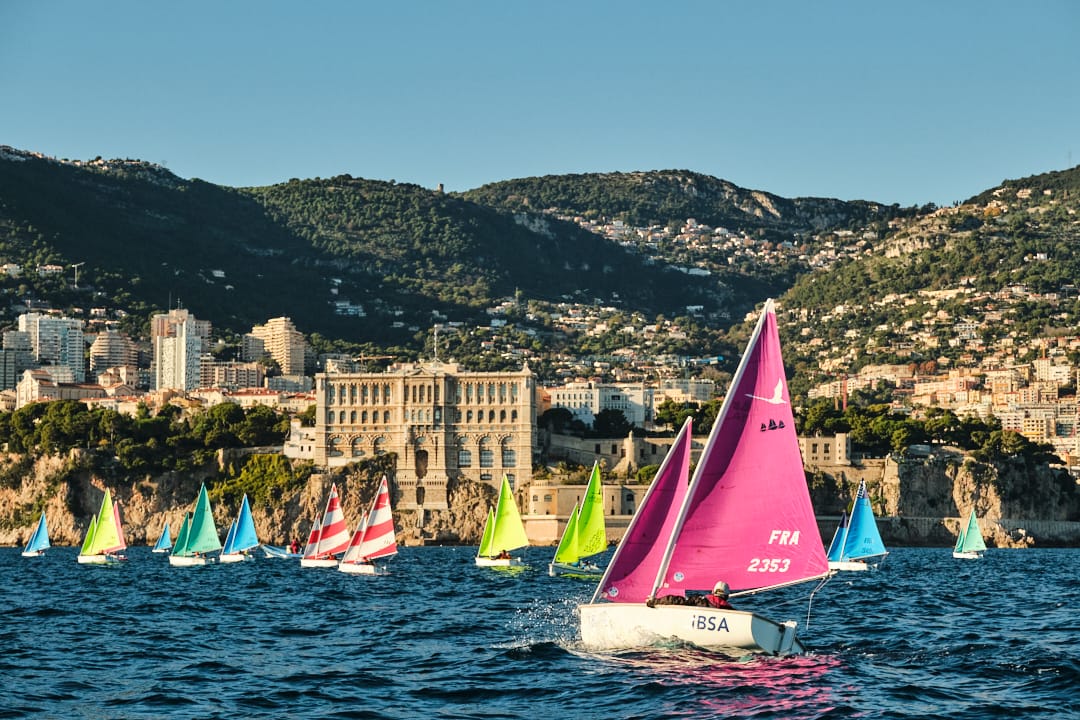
(611, 423)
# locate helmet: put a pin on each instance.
(721, 589)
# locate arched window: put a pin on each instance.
(509, 455)
(358, 448)
(333, 447)
(379, 446)
(487, 458)
(464, 458)
(352, 417)
(386, 416)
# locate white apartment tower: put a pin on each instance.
(179, 340)
(57, 341)
(280, 339)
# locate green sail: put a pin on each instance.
(485, 539)
(970, 539)
(567, 552)
(180, 547)
(591, 530)
(509, 531)
(88, 541)
(107, 534)
(202, 535)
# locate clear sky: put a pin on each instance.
(899, 102)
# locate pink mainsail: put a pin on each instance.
(333, 534)
(748, 519)
(379, 540)
(633, 570)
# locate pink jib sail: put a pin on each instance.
(379, 540)
(334, 534)
(634, 567)
(748, 518)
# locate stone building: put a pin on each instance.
(442, 422)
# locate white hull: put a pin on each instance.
(234, 557)
(274, 551)
(498, 562)
(361, 569)
(614, 626)
(318, 562)
(966, 555)
(100, 559)
(33, 553)
(582, 570)
(189, 561)
(160, 550)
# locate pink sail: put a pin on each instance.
(635, 566)
(333, 534)
(379, 540)
(748, 519)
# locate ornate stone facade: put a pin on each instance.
(443, 423)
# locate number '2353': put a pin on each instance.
(769, 565)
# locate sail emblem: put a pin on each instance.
(777, 395)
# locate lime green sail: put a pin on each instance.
(105, 535)
(88, 541)
(506, 530)
(202, 533)
(567, 552)
(591, 530)
(970, 538)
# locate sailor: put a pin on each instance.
(718, 598)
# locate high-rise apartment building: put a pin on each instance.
(112, 348)
(279, 339)
(179, 340)
(57, 341)
(443, 423)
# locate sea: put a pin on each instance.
(926, 636)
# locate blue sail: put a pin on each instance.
(242, 533)
(836, 547)
(165, 541)
(227, 546)
(863, 539)
(39, 541)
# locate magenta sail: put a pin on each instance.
(632, 573)
(748, 519)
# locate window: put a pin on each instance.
(464, 458)
(509, 457)
(487, 458)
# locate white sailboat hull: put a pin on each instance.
(274, 551)
(967, 555)
(234, 557)
(858, 564)
(584, 569)
(614, 626)
(189, 560)
(498, 562)
(160, 550)
(361, 568)
(33, 553)
(100, 559)
(318, 562)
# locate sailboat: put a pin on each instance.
(329, 538)
(164, 542)
(744, 519)
(104, 541)
(503, 532)
(241, 538)
(375, 538)
(39, 541)
(198, 535)
(970, 544)
(857, 544)
(585, 534)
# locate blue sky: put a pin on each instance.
(909, 102)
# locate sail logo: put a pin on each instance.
(709, 623)
(772, 425)
(784, 537)
(777, 397)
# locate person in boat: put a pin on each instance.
(294, 546)
(718, 598)
(504, 555)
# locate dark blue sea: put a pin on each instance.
(925, 637)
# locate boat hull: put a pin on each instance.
(498, 562)
(318, 562)
(160, 550)
(583, 570)
(234, 557)
(361, 568)
(968, 555)
(614, 626)
(33, 553)
(100, 559)
(189, 560)
(274, 551)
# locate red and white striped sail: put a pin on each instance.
(379, 540)
(312, 540)
(333, 533)
(352, 555)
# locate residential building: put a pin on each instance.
(58, 342)
(279, 339)
(585, 400)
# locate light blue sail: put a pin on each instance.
(165, 541)
(863, 540)
(39, 541)
(242, 534)
(836, 547)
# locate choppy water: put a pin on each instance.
(926, 637)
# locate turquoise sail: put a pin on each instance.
(165, 541)
(863, 539)
(836, 547)
(39, 541)
(242, 535)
